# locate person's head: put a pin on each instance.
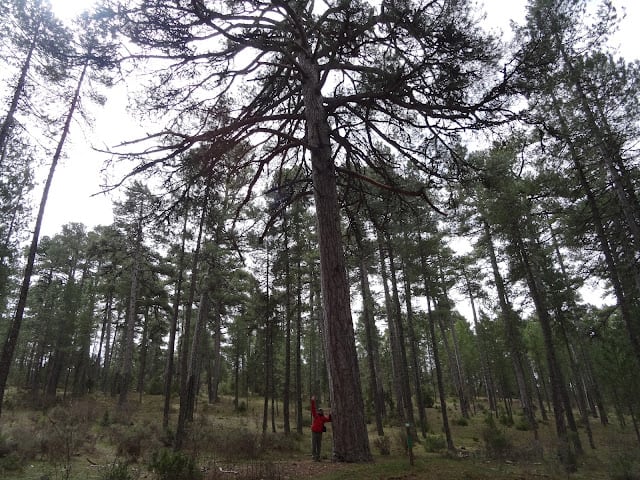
(320, 412)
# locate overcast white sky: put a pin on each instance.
(78, 176)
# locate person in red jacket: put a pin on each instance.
(317, 427)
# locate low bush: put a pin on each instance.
(63, 435)
(434, 443)
(461, 422)
(495, 441)
(279, 442)
(522, 424)
(133, 441)
(383, 445)
(172, 465)
(22, 441)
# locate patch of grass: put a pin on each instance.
(116, 471)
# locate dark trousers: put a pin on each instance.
(316, 445)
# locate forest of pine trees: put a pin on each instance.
(319, 195)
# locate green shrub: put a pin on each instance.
(24, 441)
(522, 424)
(132, 441)
(105, 421)
(461, 422)
(506, 420)
(434, 443)
(230, 443)
(63, 435)
(429, 399)
(9, 459)
(495, 441)
(383, 445)
(280, 442)
(171, 465)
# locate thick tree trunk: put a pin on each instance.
(350, 438)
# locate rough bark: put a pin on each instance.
(350, 438)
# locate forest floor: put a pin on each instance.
(90, 439)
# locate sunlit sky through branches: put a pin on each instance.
(79, 176)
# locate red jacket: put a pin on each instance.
(318, 420)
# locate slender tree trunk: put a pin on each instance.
(413, 345)
(106, 367)
(268, 355)
(5, 129)
(371, 337)
(173, 328)
(487, 378)
(8, 349)
(132, 315)
(404, 366)
(186, 330)
(144, 351)
(609, 145)
(195, 355)
(557, 385)
(613, 270)
(394, 342)
(512, 331)
(286, 393)
(298, 373)
(436, 357)
(216, 370)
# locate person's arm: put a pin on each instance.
(313, 407)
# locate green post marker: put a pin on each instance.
(409, 444)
